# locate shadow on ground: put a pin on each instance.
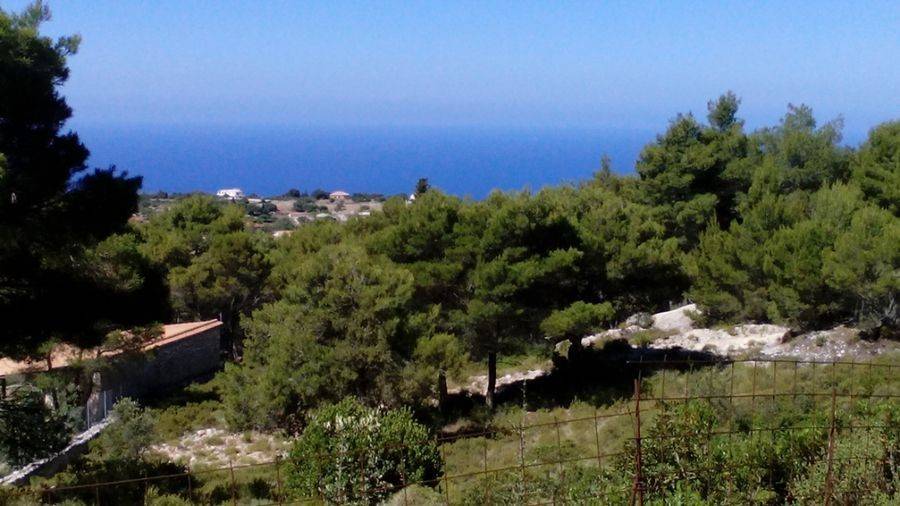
(597, 376)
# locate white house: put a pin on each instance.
(338, 195)
(230, 193)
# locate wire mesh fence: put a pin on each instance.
(718, 430)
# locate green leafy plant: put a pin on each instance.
(29, 428)
(351, 454)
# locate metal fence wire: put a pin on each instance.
(545, 460)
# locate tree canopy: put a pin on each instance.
(53, 211)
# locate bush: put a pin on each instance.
(261, 209)
(128, 437)
(350, 453)
(85, 472)
(173, 421)
(577, 320)
(862, 472)
(569, 483)
(29, 429)
(305, 205)
(416, 494)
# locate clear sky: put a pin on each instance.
(629, 64)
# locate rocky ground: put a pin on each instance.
(217, 448)
(676, 330)
(478, 384)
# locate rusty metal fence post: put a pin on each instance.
(233, 484)
(637, 492)
(829, 479)
(278, 490)
(446, 479)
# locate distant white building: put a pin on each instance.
(338, 195)
(230, 193)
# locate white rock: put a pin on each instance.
(675, 320)
(735, 340)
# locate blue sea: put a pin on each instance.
(270, 160)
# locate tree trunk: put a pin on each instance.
(492, 379)
(442, 391)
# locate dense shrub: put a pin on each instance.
(349, 453)
(128, 437)
(29, 428)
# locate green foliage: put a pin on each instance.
(120, 452)
(351, 454)
(307, 205)
(422, 186)
(85, 472)
(526, 261)
(287, 256)
(338, 330)
(416, 494)
(577, 320)
(833, 260)
(173, 421)
(434, 360)
(807, 248)
(175, 237)
(367, 197)
(678, 458)
(153, 497)
(576, 484)
(627, 249)
(691, 175)
(29, 428)
(807, 157)
(127, 438)
(862, 265)
(52, 212)
(262, 209)
(215, 268)
(862, 473)
(712, 450)
(227, 278)
(876, 167)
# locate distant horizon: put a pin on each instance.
(270, 160)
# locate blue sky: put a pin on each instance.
(628, 65)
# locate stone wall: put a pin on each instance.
(154, 371)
